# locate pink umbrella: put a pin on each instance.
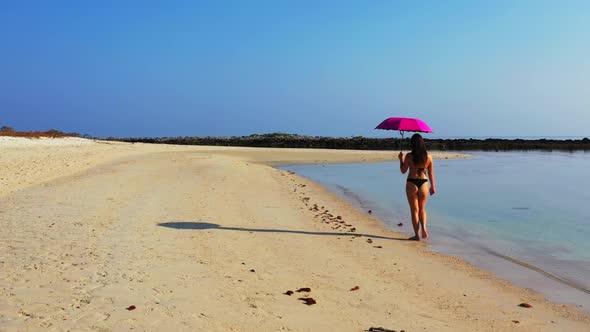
(403, 125)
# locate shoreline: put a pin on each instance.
(177, 249)
(361, 204)
(439, 247)
(455, 261)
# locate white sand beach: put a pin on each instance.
(108, 236)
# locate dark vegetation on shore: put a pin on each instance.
(284, 140)
(281, 140)
(9, 131)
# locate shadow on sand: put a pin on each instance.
(206, 225)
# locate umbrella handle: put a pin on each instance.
(402, 141)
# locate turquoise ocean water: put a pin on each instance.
(523, 215)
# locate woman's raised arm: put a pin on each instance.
(404, 163)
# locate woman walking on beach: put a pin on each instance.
(419, 163)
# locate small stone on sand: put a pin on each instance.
(307, 300)
(380, 329)
(304, 289)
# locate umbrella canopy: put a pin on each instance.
(404, 124)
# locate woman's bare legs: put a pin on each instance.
(412, 194)
(422, 215)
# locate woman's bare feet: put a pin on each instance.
(424, 234)
(414, 238)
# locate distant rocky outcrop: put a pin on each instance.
(282, 140)
(9, 131)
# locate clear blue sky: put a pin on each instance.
(333, 68)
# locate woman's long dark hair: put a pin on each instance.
(419, 153)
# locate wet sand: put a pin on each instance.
(110, 236)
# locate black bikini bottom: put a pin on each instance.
(418, 182)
